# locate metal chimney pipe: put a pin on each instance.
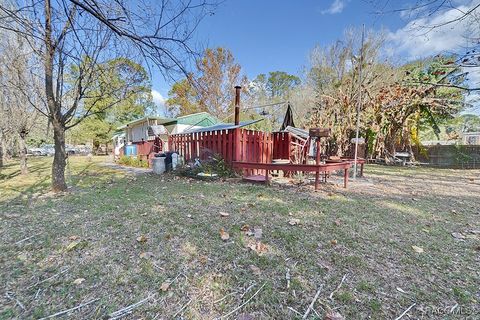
(237, 104)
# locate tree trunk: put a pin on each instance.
(54, 107)
(22, 152)
(2, 151)
(60, 158)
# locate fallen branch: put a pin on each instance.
(310, 307)
(291, 309)
(50, 278)
(247, 290)
(288, 277)
(69, 310)
(7, 294)
(338, 287)
(128, 309)
(27, 238)
(225, 297)
(453, 308)
(405, 312)
(243, 304)
(181, 309)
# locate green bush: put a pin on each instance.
(133, 162)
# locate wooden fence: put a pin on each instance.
(233, 145)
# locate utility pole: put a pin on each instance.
(359, 105)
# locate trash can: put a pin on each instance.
(158, 165)
(170, 157)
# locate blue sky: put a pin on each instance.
(268, 35)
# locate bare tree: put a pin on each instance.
(396, 101)
(334, 77)
(20, 93)
(74, 37)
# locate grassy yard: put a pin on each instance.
(117, 239)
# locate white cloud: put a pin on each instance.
(337, 6)
(417, 39)
(158, 98)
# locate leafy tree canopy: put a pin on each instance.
(130, 94)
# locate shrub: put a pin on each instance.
(215, 164)
(133, 162)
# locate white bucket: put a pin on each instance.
(174, 160)
(158, 165)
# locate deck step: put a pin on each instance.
(255, 178)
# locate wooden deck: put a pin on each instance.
(320, 168)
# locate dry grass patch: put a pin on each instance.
(183, 268)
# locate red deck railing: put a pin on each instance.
(233, 145)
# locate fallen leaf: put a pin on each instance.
(142, 239)
(73, 238)
(72, 245)
(78, 281)
(293, 222)
(164, 287)
(203, 259)
(333, 315)
(224, 214)
(333, 242)
(224, 235)
(337, 222)
(426, 230)
(245, 228)
(257, 246)
(255, 270)
(146, 255)
(458, 235)
(417, 249)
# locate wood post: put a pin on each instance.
(237, 104)
(317, 161)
